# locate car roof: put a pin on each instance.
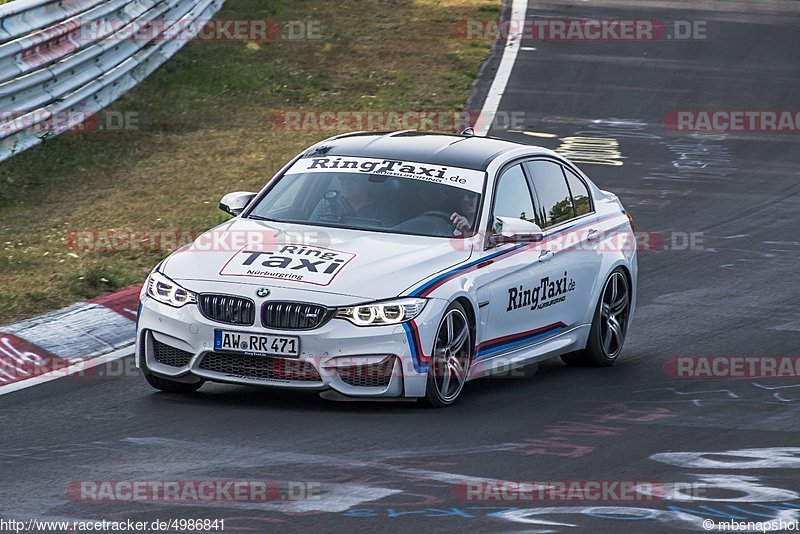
(466, 151)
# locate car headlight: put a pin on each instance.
(382, 313)
(164, 290)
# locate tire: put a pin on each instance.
(171, 386)
(609, 326)
(451, 358)
(167, 385)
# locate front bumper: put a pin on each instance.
(375, 361)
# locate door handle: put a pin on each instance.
(592, 235)
(546, 255)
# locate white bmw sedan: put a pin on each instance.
(395, 265)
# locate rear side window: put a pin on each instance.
(580, 194)
(513, 197)
(551, 188)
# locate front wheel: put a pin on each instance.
(171, 386)
(451, 358)
(610, 324)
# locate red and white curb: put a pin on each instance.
(68, 341)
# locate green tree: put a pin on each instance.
(561, 211)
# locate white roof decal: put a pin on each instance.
(469, 179)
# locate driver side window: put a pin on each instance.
(513, 196)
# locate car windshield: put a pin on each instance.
(374, 194)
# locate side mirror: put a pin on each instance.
(511, 230)
(235, 203)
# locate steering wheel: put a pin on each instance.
(440, 214)
(334, 200)
(435, 222)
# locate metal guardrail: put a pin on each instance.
(54, 73)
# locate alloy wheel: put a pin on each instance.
(614, 314)
(451, 355)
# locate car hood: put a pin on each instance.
(362, 264)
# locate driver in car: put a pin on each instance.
(358, 198)
(467, 207)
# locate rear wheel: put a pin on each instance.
(452, 355)
(610, 324)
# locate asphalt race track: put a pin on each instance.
(393, 467)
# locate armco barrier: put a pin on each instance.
(54, 74)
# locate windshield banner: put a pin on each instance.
(469, 179)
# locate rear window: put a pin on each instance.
(580, 193)
(551, 189)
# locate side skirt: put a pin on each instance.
(552, 347)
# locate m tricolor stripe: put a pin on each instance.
(428, 287)
(418, 356)
(493, 346)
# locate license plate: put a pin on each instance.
(256, 344)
